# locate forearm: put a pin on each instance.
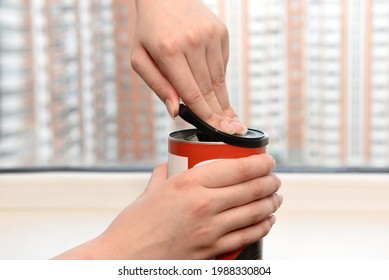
(86, 251)
(99, 248)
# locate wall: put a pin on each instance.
(324, 216)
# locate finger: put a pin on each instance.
(248, 214)
(145, 66)
(217, 72)
(228, 172)
(159, 175)
(177, 70)
(244, 237)
(198, 64)
(228, 110)
(225, 45)
(215, 64)
(246, 192)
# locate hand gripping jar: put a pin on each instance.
(192, 147)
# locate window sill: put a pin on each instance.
(341, 216)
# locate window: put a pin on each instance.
(66, 73)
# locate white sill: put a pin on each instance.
(324, 216)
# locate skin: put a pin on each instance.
(181, 51)
(197, 214)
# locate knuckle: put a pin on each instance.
(201, 207)
(208, 92)
(229, 111)
(186, 181)
(193, 38)
(253, 216)
(193, 97)
(220, 79)
(135, 61)
(255, 189)
(205, 234)
(169, 46)
(157, 87)
(242, 168)
(206, 241)
(210, 29)
(244, 239)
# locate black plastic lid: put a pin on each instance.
(252, 139)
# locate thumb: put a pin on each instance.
(158, 176)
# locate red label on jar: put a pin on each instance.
(185, 154)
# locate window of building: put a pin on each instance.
(73, 83)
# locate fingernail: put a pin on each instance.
(280, 198)
(239, 128)
(227, 128)
(272, 219)
(170, 108)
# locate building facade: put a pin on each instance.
(313, 74)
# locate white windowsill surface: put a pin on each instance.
(324, 216)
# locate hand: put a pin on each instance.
(181, 50)
(200, 213)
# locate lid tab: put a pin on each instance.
(252, 139)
